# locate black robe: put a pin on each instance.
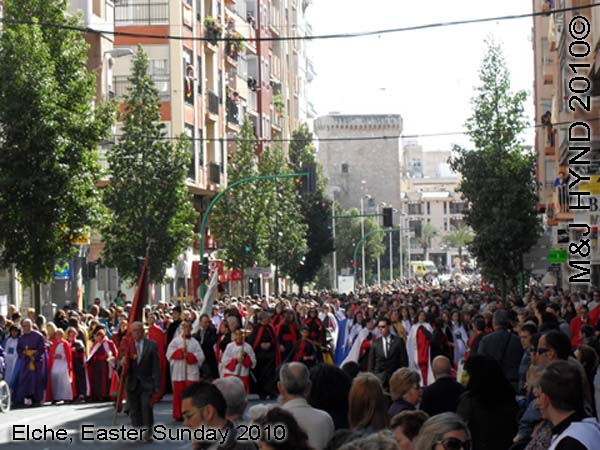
(264, 382)
(288, 336)
(305, 352)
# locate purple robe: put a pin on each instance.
(31, 383)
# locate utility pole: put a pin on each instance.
(259, 90)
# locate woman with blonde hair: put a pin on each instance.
(445, 431)
(367, 405)
(405, 388)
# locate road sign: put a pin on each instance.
(557, 256)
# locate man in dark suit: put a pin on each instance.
(443, 395)
(207, 337)
(388, 353)
(143, 380)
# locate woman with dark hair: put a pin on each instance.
(569, 313)
(489, 406)
(295, 437)
(329, 391)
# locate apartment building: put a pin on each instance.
(553, 87)
(429, 196)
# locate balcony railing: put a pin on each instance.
(215, 173)
(141, 12)
(232, 112)
(213, 103)
(252, 101)
(121, 86)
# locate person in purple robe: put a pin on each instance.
(31, 378)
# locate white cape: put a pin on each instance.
(413, 355)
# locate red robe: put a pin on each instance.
(69, 357)
(423, 354)
(156, 334)
(100, 371)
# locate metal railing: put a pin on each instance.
(213, 103)
(232, 112)
(141, 12)
(121, 86)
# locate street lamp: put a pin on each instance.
(362, 232)
(334, 190)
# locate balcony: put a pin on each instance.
(213, 103)
(213, 31)
(274, 19)
(235, 46)
(121, 86)
(141, 12)
(232, 111)
(252, 101)
(188, 95)
(560, 199)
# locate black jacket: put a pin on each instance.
(442, 396)
(396, 358)
(505, 347)
(147, 372)
(210, 367)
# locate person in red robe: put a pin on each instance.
(279, 316)
(157, 334)
(315, 327)
(304, 351)
(61, 379)
(78, 358)
(287, 334)
(100, 366)
(418, 348)
(577, 322)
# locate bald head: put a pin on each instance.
(441, 367)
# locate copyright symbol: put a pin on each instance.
(579, 28)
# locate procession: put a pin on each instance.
(371, 369)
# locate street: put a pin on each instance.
(97, 417)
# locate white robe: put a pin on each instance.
(355, 350)
(179, 366)
(10, 358)
(460, 342)
(61, 381)
(412, 351)
(232, 351)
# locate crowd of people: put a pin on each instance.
(389, 367)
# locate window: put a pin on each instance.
(189, 132)
(445, 207)
(142, 12)
(199, 75)
(445, 222)
(415, 209)
(189, 77)
(428, 209)
(457, 207)
(345, 168)
(201, 147)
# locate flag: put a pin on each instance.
(137, 307)
(209, 296)
(340, 351)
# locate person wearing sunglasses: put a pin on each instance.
(445, 431)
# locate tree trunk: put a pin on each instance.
(276, 281)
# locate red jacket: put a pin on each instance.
(576, 325)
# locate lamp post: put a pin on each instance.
(334, 190)
(362, 233)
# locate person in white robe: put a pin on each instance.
(10, 355)
(185, 357)
(238, 359)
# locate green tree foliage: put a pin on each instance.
(428, 232)
(498, 176)
(238, 217)
(148, 199)
(283, 219)
(315, 209)
(458, 238)
(48, 138)
(348, 234)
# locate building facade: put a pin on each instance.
(555, 86)
(429, 196)
(212, 69)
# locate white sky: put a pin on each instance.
(425, 76)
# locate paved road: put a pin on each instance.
(96, 416)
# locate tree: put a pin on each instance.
(458, 238)
(48, 138)
(149, 203)
(315, 209)
(498, 176)
(237, 218)
(428, 232)
(349, 234)
(284, 223)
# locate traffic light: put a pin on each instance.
(388, 218)
(309, 183)
(204, 270)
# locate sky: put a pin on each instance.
(426, 76)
